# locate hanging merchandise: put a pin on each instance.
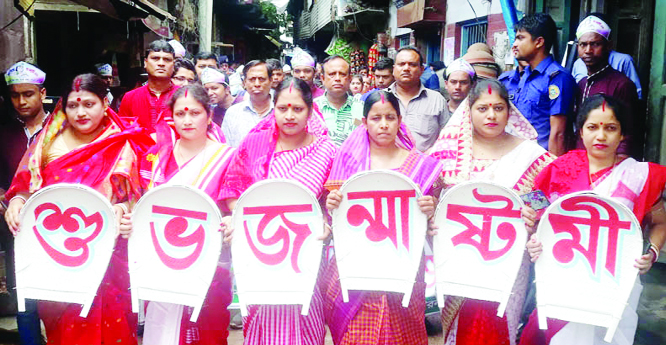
(339, 46)
(358, 61)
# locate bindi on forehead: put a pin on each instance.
(186, 109)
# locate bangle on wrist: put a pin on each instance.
(123, 207)
(655, 251)
(17, 197)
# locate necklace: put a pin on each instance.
(588, 84)
(179, 154)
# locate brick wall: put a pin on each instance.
(495, 24)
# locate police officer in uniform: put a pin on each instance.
(545, 93)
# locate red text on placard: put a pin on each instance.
(377, 231)
(563, 250)
(173, 232)
(301, 231)
(480, 237)
(68, 221)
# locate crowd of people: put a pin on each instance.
(532, 128)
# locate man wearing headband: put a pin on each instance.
(287, 71)
(621, 62)
(147, 105)
(303, 65)
(460, 76)
(217, 84)
(546, 92)
(179, 50)
(106, 72)
(594, 48)
(337, 107)
(242, 117)
(27, 93)
(423, 110)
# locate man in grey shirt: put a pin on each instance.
(423, 111)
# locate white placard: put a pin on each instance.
(379, 233)
(276, 247)
(174, 247)
(480, 242)
(67, 236)
(586, 271)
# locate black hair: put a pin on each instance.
(274, 64)
(385, 63)
(539, 25)
(414, 50)
(184, 63)
(333, 57)
(205, 56)
(195, 90)
(437, 65)
(298, 84)
(482, 86)
(255, 63)
(87, 82)
(375, 97)
(160, 46)
(601, 100)
(359, 76)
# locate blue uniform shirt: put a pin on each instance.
(510, 79)
(541, 93)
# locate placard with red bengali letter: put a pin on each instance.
(480, 242)
(175, 247)
(379, 233)
(586, 272)
(276, 247)
(66, 240)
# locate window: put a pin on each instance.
(474, 32)
(404, 40)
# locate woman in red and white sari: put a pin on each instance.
(290, 144)
(488, 140)
(86, 142)
(602, 124)
(189, 153)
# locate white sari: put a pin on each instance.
(515, 170)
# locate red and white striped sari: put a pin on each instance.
(310, 165)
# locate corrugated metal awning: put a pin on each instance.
(119, 9)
